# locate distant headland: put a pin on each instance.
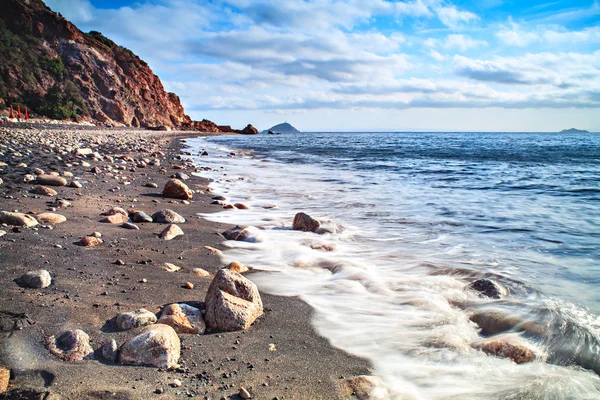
(281, 128)
(574, 130)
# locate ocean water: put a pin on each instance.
(414, 218)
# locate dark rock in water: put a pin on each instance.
(488, 288)
(249, 130)
(243, 233)
(218, 198)
(304, 222)
(167, 216)
(494, 322)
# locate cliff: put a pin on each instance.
(50, 66)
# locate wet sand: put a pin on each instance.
(89, 289)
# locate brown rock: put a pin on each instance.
(4, 379)
(170, 267)
(158, 345)
(114, 211)
(51, 180)
(243, 233)
(188, 285)
(237, 267)
(201, 273)
(183, 318)
(51, 218)
(115, 219)
(232, 302)
(176, 189)
(171, 232)
(71, 345)
(167, 216)
(361, 387)
(494, 322)
(44, 191)
(90, 241)
(304, 222)
(241, 206)
(17, 219)
(517, 352)
(249, 130)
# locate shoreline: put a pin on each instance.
(89, 289)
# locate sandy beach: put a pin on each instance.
(279, 356)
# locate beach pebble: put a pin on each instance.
(62, 203)
(38, 171)
(176, 189)
(17, 219)
(76, 185)
(214, 251)
(36, 279)
(304, 222)
(82, 152)
(71, 345)
(188, 285)
(167, 216)
(140, 216)
(109, 350)
(181, 175)
(176, 383)
(158, 345)
(237, 267)
(128, 225)
(44, 191)
(363, 387)
(243, 233)
(135, 319)
(28, 178)
(170, 267)
(488, 288)
(218, 198)
(232, 302)
(183, 318)
(241, 206)
(201, 273)
(4, 379)
(51, 180)
(50, 218)
(115, 219)
(244, 394)
(151, 185)
(90, 241)
(115, 211)
(171, 232)
(68, 174)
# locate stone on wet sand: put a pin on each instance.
(90, 241)
(241, 206)
(110, 350)
(176, 189)
(50, 180)
(71, 345)
(51, 218)
(171, 232)
(135, 319)
(232, 302)
(115, 211)
(158, 345)
(201, 273)
(513, 349)
(167, 216)
(17, 219)
(304, 222)
(44, 191)
(140, 216)
(183, 318)
(488, 288)
(237, 267)
(243, 233)
(38, 279)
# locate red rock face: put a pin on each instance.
(116, 86)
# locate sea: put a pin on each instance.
(411, 219)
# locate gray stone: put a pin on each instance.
(71, 345)
(110, 350)
(135, 319)
(36, 279)
(167, 216)
(140, 216)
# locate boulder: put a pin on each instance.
(488, 288)
(183, 318)
(167, 216)
(176, 189)
(232, 302)
(71, 345)
(171, 232)
(36, 279)
(512, 349)
(50, 180)
(304, 222)
(17, 219)
(158, 345)
(135, 319)
(51, 218)
(44, 191)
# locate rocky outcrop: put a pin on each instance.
(202, 126)
(62, 72)
(249, 130)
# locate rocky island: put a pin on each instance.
(574, 130)
(281, 128)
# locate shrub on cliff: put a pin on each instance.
(63, 103)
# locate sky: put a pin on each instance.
(360, 65)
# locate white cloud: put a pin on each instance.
(453, 18)
(436, 55)
(462, 42)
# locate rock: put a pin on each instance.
(241, 206)
(214, 251)
(4, 379)
(230, 207)
(67, 174)
(51, 218)
(151, 185)
(171, 232)
(51, 180)
(28, 178)
(90, 241)
(83, 152)
(76, 185)
(249, 130)
(158, 345)
(176, 189)
(115, 211)
(243, 233)
(244, 394)
(511, 349)
(232, 302)
(304, 222)
(237, 267)
(38, 171)
(363, 387)
(36, 279)
(71, 345)
(109, 350)
(135, 319)
(44, 191)
(188, 285)
(176, 383)
(115, 219)
(170, 267)
(181, 176)
(167, 216)
(140, 216)
(17, 219)
(183, 318)
(61, 203)
(488, 288)
(128, 225)
(201, 273)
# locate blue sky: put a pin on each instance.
(488, 65)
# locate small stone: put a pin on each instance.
(67, 174)
(109, 350)
(135, 319)
(243, 233)
(242, 206)
(36, 279)
(28, 178)
(515, 351)
(97, 234)
(90, 241)
(167, 216)
(51, 180)
(214, 251)
(188, 285)
(171, 232)
(44, 191)
(201, 273)
(244, 394)
(95, 170)
(71, 345)
(151, 185)
(128, 225)
(170, 267)
(38, 171)
(488, 288)
(120, 262)
(183, 318)
(76, 185)
(115, 219)
(62, 203)
(176, 383)
(17, 219)
(140, 216)
(158, 345)
(304, 222)
(237, 267)
(4, 379)
(51, 218)
(82, 152)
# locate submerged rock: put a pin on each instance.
(304, 222)
(488, 288)
(363, 387)
(243, 233)
(232, 302)
(158, 345)
(183, 318)
(176, 189)
(504, 348)
(71, 345)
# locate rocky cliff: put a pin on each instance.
(50, 66)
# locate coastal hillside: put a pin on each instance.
(48, 65)
(282, 128)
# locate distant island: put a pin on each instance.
(281, 128)
(573, 130)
